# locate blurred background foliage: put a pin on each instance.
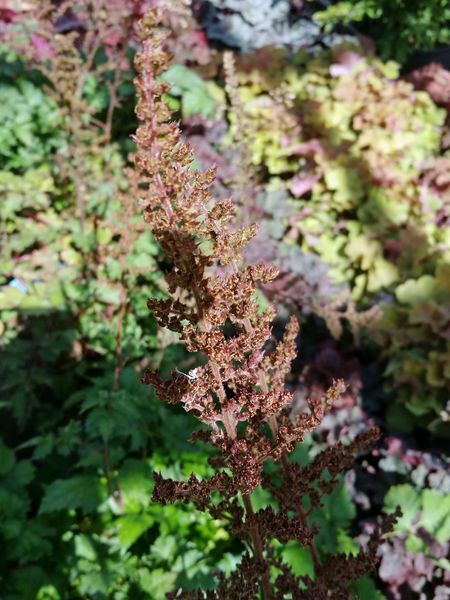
(342, 157)
(398, 26)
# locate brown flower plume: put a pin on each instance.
(212, 301)
(239, 393)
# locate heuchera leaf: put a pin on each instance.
(435, 516)
(415, 291)
(408, 499)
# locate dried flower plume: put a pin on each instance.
(239, 392)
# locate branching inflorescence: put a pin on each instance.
(238, 393)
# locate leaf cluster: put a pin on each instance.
(360, 150)
(399, 26)
(82, 438)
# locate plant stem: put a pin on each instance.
(273, 424)
(258, 549)
(119, 363)
(302, 515)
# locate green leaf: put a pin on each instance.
(172, 102)
(195, 96)
(113, 268)
(198, 102)
(408, 498)
(85, 548)
(415, 291)
(191, 563)
(164, 548)
(23, 473)
(383, 274)
(48, 592)
(299, 559)
(131, 527)
(261, 498)
(136, 483)
(82, 491)
(366, 589)
(156, 583)
(104, 235)
(382, 206)
(31, 543)
(146, 244)
(101, 421)
(339, 507)
(333, 520)
(435, 516)
(95, 582)
(346, 544)
(181, 78)
(29, 580)
(108, 294)
(364, 250)
(7, 459)
(345, 183)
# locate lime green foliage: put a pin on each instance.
(29, 123)
(352, 148)
(363, 136)
(419, 333)
(263, 122)
(399, 26)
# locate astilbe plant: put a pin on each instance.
(238, 393)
